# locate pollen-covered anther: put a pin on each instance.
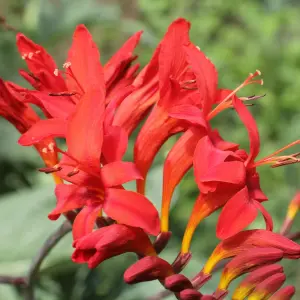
(49, 170)
(73, 172)
(55, 72)
(63, 94)
(67, 65)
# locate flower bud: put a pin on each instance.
(249, 239)
(190, 294)
(268, 286)
(177, 283)
(110, 241)
(254, 278)
(246, 261)
(147, 269)
(285, 293)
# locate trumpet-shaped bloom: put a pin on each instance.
(253, 279)
(246, 240)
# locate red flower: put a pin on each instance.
(173, 68)
(23, 117)
(111, 241)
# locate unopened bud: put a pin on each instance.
(177, 283)
(253, 279)
(246, 261)
(285, 293)
(147, 269)
(268, 287)
(190, 294)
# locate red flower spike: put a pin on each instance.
(132, 209)
(285, 293)
(267, 287)
(171, 68)
(292, 211)
(190, 294)
(110, 241)
(249, 239)
(253, 279)
(147, 269)
(177, 283)
(246, 261)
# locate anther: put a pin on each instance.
(72, 173)
(63, 94)
(49, 170)
(67, 65)
(56, 72)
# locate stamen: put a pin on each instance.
(74, 172)
(223, 104)
(56, 72)
(66, 65)
(63, 94)
(49, 170)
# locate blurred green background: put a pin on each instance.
(239, 37)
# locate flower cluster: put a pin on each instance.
(95, 108)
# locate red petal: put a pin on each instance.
(136, 105)
(43, 129)
(151, 137)
(85, 66)
(251, 126)
(220, 143)
(188, 113)
(172, 57)
(118, 173)
(177, 163)
(228, 172)
(85, 220)
(69, 197)
(85, 129)
(114, 144)
(56, 106)
(266, 215)
(132, 209)
(38, 60)
(206, 157)
(206, 76)
(121, 58)
(237, 214)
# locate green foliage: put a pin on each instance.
(238, 36)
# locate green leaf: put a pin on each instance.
(24, 229)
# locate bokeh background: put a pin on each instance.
(239, 37)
